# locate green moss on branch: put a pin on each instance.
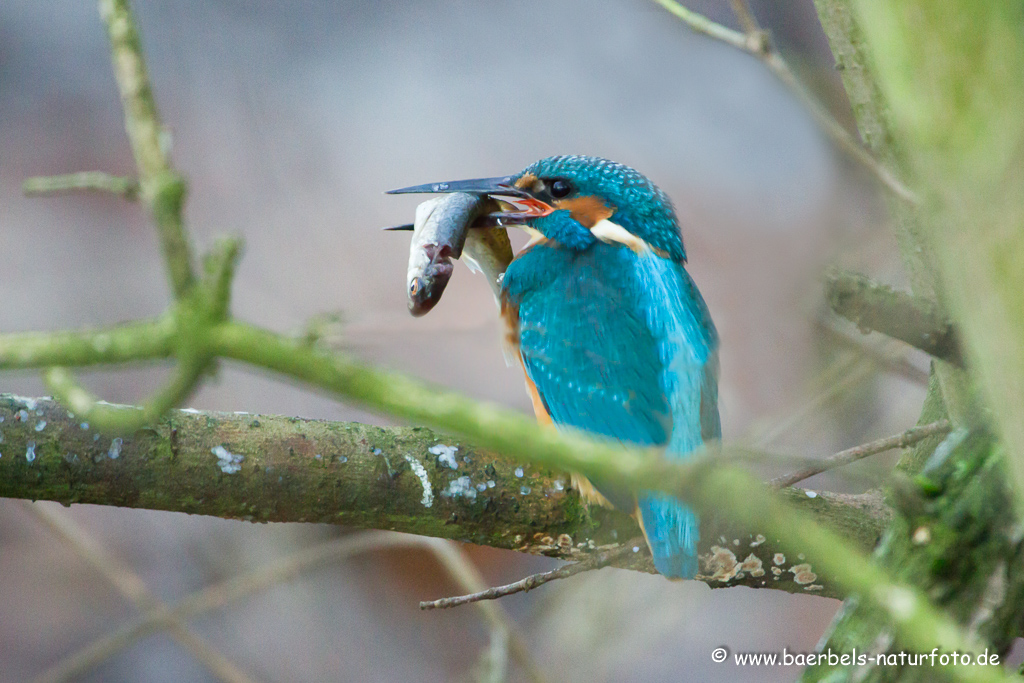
(278, 469)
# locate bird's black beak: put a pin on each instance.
(502, 186)
(517, 204)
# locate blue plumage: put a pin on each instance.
(612, 332)
(619, 342)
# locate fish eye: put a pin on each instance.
(560, 188)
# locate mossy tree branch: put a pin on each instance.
(955, 535)
(875, 307)
(277, 469)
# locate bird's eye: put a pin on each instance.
(560, 188)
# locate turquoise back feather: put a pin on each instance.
(622, 345)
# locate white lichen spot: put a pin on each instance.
(460, 487)
(921, 535)
(736, 541)
(377, 451)
(22, 415)
(758, 540)
(445, 455)
(490, 483)
(779, 559)
(30, 451)
(318, 456)
(752, 565)
(524, 490)
(421, 472)
(519, 472)
(84, 425)
(95, 437)
(41, 425)
(481, 487)
(343, 459)
(466, 459)
(559, 485)
(811, 494)
(901, 602)
(636, 549)
(814, 587)
(776, 571)
(228, 462)
(721, 565)
(114, 452)
(802, 574)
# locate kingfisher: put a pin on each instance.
(613, 335)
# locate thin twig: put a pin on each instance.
(597, 561)
(886, 357)
(162, 189)
(116, 419)
(746, 17)
(236, 588)
(218, 595)
(96, 181)
(465, 573)
(907, 438)
(131, 585)
(758, 46)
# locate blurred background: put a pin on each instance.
(290, 120)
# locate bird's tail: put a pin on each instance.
(672, 532)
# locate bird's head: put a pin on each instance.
(576, 201)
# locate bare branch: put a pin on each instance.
(233, 589)
(503, 629)
(96, 181)
(601, 559)
(162, 189)
(907, 438)
(759, 46)
(874, 306)
(134, 588)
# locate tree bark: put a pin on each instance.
(264, 468)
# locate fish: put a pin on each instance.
(453, 226)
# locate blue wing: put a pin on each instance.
(621, 344)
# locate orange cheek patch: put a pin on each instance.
(587, 211)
